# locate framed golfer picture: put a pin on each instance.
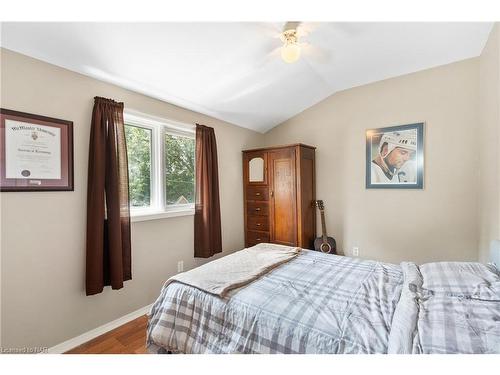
(395, 157)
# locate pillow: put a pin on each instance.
(461, 279)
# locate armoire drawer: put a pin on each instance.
(257, 208)
(253, 238)
(258, 222)
(257, 193)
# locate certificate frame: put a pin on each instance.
(64, 130)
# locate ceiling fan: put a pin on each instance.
(290, 52)
(293, 41)
(297, 38)
(294, 32)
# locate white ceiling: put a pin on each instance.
(233, 71)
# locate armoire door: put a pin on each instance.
(282, 184)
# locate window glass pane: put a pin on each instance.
(179, 169)
(139, 165)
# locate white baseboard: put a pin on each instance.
(87, 336)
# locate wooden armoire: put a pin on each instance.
(279, 193)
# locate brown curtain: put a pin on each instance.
(108, 217)
(207, 224)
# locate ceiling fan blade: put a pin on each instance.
(307, 28)
(269, 28)
(314, 35)
(271, 57)
(270, 33)
(315, 53)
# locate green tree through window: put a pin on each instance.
(176, 180)
(139, 165)
(179, 169)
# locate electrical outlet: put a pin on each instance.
(355, 251)
(180, 266)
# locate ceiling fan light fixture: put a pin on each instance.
(290, 52)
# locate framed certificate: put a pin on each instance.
(36, 152)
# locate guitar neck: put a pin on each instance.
(323, 225)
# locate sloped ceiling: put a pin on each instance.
(233, 71)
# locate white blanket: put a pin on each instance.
(237, 269)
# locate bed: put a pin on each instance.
(322, 303)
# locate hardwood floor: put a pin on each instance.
(129, 338)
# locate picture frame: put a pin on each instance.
(36, 152)
(395, 157)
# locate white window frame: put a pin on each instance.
(159, 128)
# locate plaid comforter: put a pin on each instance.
(319, 303)
(459, 309)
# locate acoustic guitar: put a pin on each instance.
(324, 243)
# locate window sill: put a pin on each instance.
(155, 215)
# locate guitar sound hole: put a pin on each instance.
(326, 248)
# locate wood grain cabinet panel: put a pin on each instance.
(280, 208)
(283, 210)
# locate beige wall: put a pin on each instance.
(43, 234)
(489, 143)
(436, 223)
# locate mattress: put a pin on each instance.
(322, 303)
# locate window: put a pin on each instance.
(161, 163)
(179, 169)
(139, 165)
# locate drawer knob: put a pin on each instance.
(258, 239)
(257, 209)
(258, 224)
(257, 194)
